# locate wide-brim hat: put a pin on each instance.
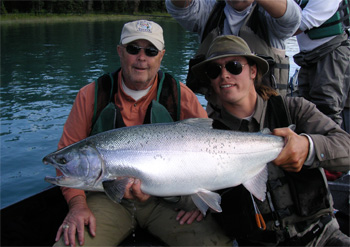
(143, 29)
(227, 46)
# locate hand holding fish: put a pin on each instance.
(295, 151)
(133, 191)
(78, 216)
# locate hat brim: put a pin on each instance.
(159, 45)
(199, 70)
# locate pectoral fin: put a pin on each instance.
(257, 185)
(205, 199)
(115, 189)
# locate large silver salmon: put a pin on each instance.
(188, 157)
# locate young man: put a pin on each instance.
(125, 98)
(263, 24)
(298, 209)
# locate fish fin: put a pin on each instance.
(257, 185)
(205, 199)
(200, 204)
(199, 122)
(115, 189)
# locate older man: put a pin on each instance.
(128, 97)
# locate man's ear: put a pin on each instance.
(119, 50)
(162, 52)
(253, 71)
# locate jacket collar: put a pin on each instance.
(234, 123)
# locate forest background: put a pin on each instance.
(80, 7)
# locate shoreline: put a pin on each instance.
(11, 19)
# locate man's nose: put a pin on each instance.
(224, 73)
(142, 54)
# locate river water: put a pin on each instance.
(42, 68)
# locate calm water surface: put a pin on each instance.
(42, 68)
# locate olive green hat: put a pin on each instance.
(227, 46)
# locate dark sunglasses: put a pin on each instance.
(213, 70)
(134, 50)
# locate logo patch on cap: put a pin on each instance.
(143, 29)
(144, 26)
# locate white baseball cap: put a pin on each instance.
(143, 29)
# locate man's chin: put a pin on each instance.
(140, 83)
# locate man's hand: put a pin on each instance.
(133, 191)
(78, 217)
(188, 217)
(295, 151)
(181, 3)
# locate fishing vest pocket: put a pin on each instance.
(159, 114)
(106, 120)
(308, 191)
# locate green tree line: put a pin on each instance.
(82, 6)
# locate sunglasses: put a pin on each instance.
(213, 70)
(134, 50)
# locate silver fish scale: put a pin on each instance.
(197, 156)
(184, 137)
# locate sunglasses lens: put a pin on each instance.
(234, 67)
(151, 51)
(213, 71)
(133, 49)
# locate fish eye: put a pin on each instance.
(63, 161)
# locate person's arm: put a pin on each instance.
(282, 23)
(181, 3)
(191, 15)
(275, 8)
(79, 215)
(331, 143)
(76, 128)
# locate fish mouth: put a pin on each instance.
(64, 181)
(59, 180)
(49, 160)
(54, 180)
